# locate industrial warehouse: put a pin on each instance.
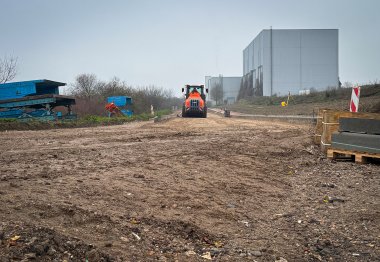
(291, 60)
(279, 61)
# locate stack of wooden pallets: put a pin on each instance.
(350, 134)
(358, 138)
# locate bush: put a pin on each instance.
(331, 92)
(91, 96)
(7, 120)
(86, 121)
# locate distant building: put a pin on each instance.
(279, 61)
(230, 86)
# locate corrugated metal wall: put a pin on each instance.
(298, 59)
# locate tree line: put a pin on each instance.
(91, 95)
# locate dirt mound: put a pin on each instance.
(25, 242)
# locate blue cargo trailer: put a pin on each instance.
(123, 103)
(35, 99)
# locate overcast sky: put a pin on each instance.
(170, 43)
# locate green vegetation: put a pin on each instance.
(330, 94)
(86, 121)
(332, 98)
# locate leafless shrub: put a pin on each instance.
(313, 90)
(216, 91)
(86, 86)
(92, 94)
(347, 84)
(8, 68)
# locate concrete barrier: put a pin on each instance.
(297, 118)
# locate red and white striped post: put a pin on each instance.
(354, 104)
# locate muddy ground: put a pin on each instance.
(184, 190)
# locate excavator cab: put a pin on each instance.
(195, 101)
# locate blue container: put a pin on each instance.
(127, 112)
(120, 100)
(28, 88)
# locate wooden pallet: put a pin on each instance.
(360, 157)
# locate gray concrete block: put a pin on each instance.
(359, 125)
(356, 142)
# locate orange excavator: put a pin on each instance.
(195, 101)
(113, 110)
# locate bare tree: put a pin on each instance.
(347, 84)
(8, 69)
(91, 95)
(86, 86)
(115, 87)
(216, 92)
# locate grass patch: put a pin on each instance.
(85, 121)
(337, 99)
(331, 94)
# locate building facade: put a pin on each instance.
(230, 86)
(279, 61)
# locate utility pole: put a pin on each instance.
(271, 61)
(221, 89)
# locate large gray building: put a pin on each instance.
(230, 86)
(279, 61)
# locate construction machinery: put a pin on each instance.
(195, 101)
(119, 106)
(34, 100)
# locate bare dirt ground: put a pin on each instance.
(183, 190)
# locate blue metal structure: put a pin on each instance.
(127, 112)
(120, 100)
(29, 88)
(34, 99)
(123, 103)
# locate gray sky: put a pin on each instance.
(170, 43)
